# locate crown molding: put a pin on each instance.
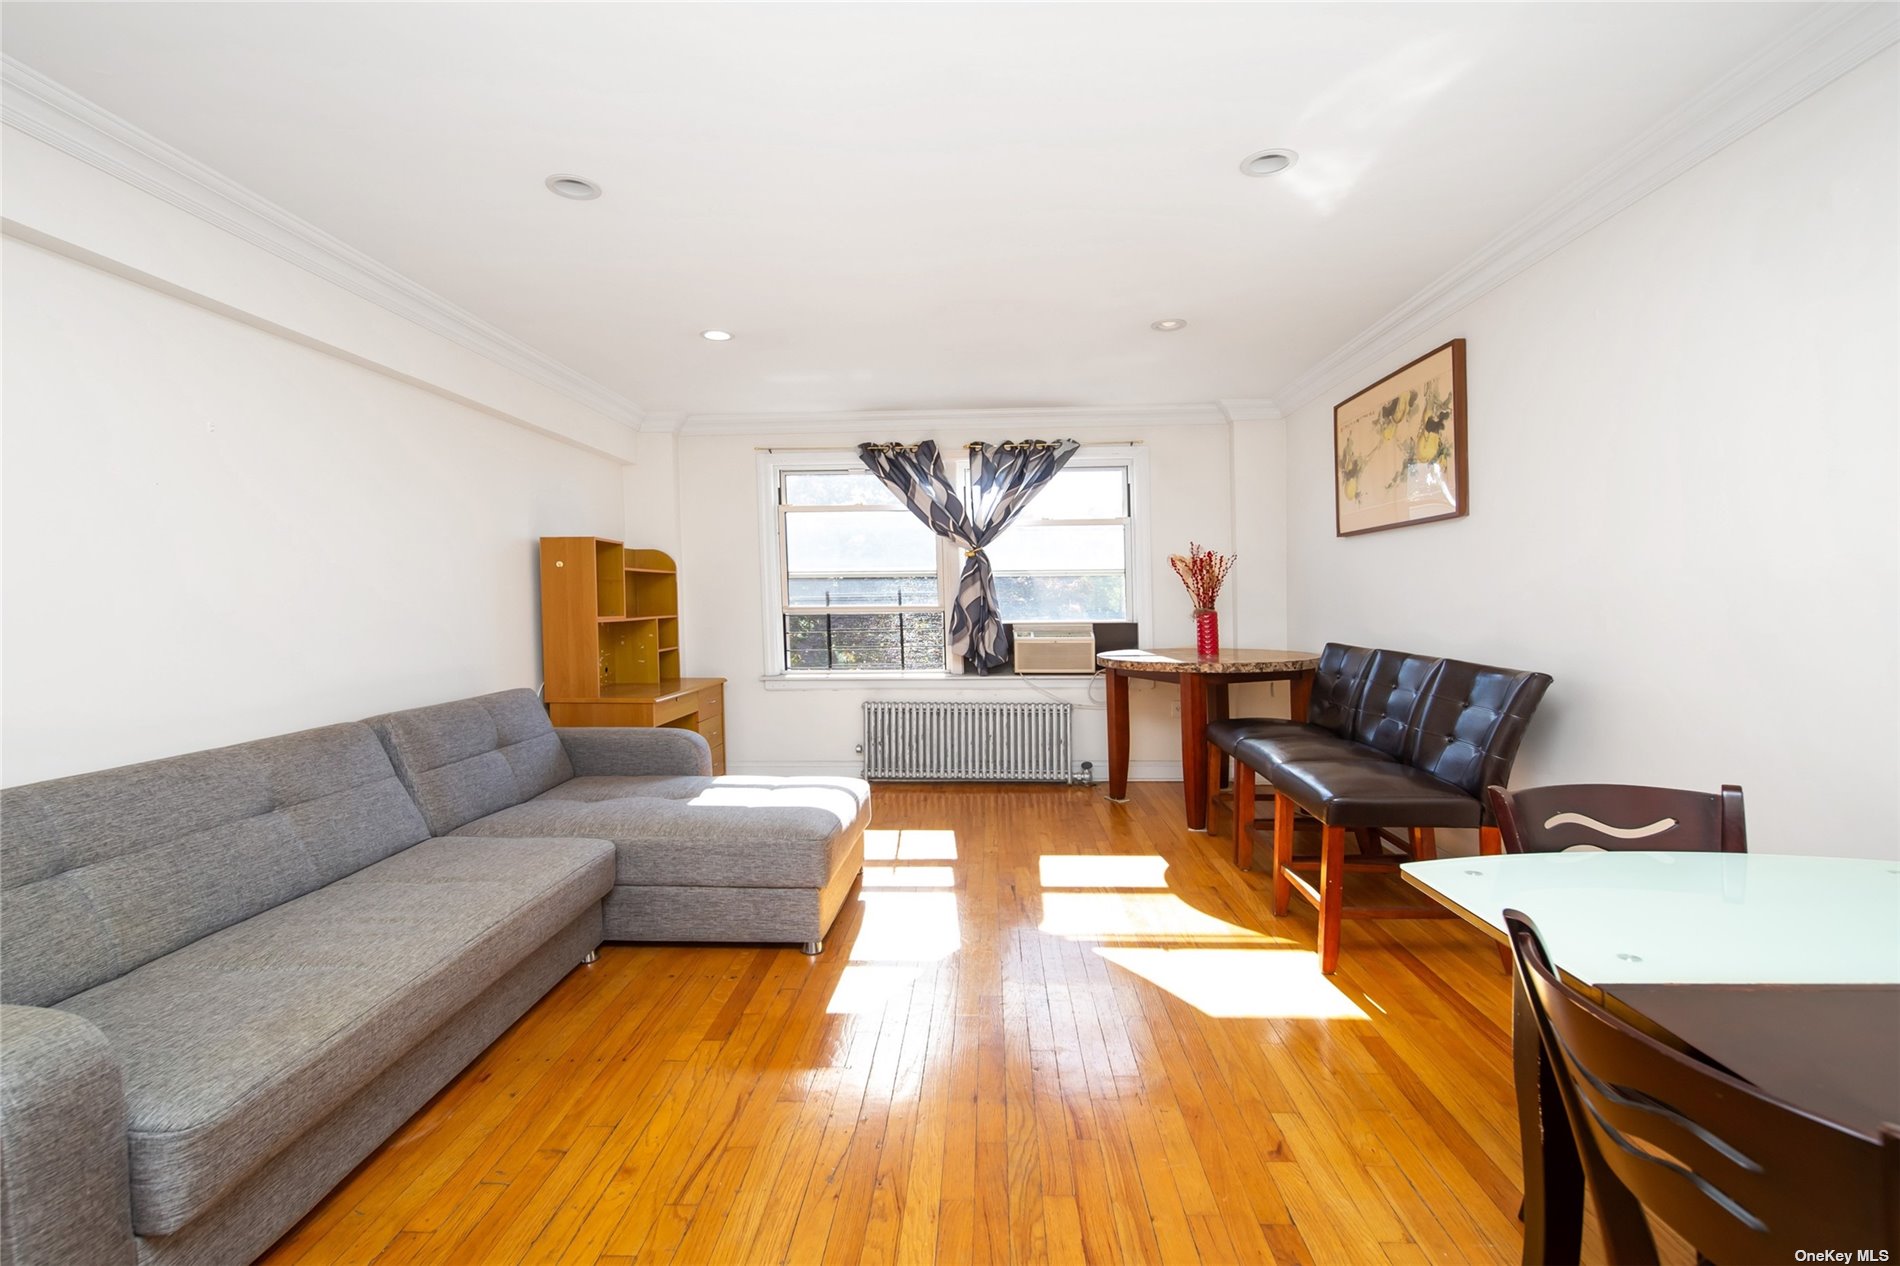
(1249, 412)
(48, 112)
(862, 421)
(1819, 49)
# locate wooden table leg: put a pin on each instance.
(1193, 735)
(1283, 815)
(1218, 709)
(1332, 895)
(1553, 1174)
(1243, 814)
(1117, 735)
(1300, 696)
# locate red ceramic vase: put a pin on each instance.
(1207, 634)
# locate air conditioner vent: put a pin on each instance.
(1054, 648)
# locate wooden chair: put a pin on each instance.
(1742, 1176)
(1619, 818)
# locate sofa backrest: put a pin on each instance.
(465, 760)
(101, 873)
(1336, 685)
(1471, 723)
(1386, 709)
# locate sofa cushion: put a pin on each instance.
(733, 831)
(1264, 749)
(103, 872)
(591, 788)
(1368, 792)
(234, 1046)
(1227, 734)
(467, 759)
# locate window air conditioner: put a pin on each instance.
(1054, 648)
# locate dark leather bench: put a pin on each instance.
(1391, 742)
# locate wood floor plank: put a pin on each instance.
(1048, 1029)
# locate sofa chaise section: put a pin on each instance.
(230, 975)
(734, 858)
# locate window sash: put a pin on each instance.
(1124, 466)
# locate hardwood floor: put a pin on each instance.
(1046, 1028)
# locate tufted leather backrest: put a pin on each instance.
(1336, 684)
(1385, 712)
(101, 873)
(1471, 721)
(468, 759)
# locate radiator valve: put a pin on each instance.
(1088, 773)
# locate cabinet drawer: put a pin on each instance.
(712, 700)
(673, 708)
(613, 714)
(713, 730)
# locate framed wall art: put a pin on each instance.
(1399, 447)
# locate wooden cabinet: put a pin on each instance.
(610, 642)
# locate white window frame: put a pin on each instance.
(773, 564)
(780, 565)
(1084, 459)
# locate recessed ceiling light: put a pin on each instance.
(1268, 162)
(716, 336)
(1169, 325)
(575, 187)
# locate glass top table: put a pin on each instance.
(1688, 918)
(1734, 947)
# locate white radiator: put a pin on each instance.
(967, 742)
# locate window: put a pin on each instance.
(1067, 557)
(863, 585)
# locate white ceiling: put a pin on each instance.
(904, 206)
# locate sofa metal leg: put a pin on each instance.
(813, 947)
(590, 956)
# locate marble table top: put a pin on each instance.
(1184, 659)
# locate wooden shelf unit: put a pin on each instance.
(610, 642)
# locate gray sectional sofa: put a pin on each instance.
(698, 858)
(228, 976)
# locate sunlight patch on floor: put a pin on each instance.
(907, 927)
(909, 877)
(910, 846)
(1240, 983)
(1141, 915)
(866, 988)
(901, 936)
(1104, 870)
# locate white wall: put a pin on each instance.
(817, 729)
(1683, 488)
(211, 532)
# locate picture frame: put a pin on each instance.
(1399, 455)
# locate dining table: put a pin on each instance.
(1202, 682)
(1783, 970)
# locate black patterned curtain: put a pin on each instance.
(1004, 479)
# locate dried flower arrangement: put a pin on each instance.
(1202, 571)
